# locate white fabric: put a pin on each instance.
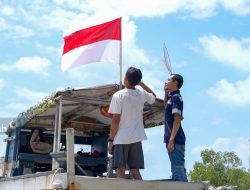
(37, 146)
(102, 51)
(129, 103)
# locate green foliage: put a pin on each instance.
(153, 125)
(221, 168)
(41, 107)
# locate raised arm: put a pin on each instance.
(146, 88)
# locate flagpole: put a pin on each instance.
(120, 64)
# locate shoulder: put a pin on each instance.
(177, 97)
(142, 92)
(139, 90)
(119, 94)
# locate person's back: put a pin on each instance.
(127, 130)
(131, 128)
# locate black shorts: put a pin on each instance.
(129, 156)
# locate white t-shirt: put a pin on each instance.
(129, 103)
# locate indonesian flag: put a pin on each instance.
(100, 43)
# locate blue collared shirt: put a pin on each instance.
(174, 106)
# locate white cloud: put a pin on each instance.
(193, 130)
(233, 53)
(74, 4)
(17, 32)
(34, 64)
(3, 24)
(179, 65)
(41, 16)
(59, 14)
(150, 79)
(145, 8)
(220, 144)
(239, 7)
(25, 98)
(230, 52)
(56, 15)
(200, 9)
(18, 107)
(6, 114)
(30, 95)
(55, 51)
(239, 145)
(132, 54)
(2, 83)
(232, 94)
(95, 74)
(218, 121)
(77, 74)
(59, 2)
(57, 19)
(14, 31)
(7, 10)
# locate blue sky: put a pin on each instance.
(208, 43)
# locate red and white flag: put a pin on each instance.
(100, 43)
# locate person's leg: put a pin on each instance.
(120, 155)
(120, 172)
(177, 159)
(136, 160)
(136, 174)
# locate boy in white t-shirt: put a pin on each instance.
(127, 129)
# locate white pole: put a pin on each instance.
(120, 64)
(57, 132)
(70, 136)
(59, 125)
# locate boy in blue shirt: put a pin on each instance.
(174, 136)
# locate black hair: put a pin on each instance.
(179, 79)
(134, 76)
